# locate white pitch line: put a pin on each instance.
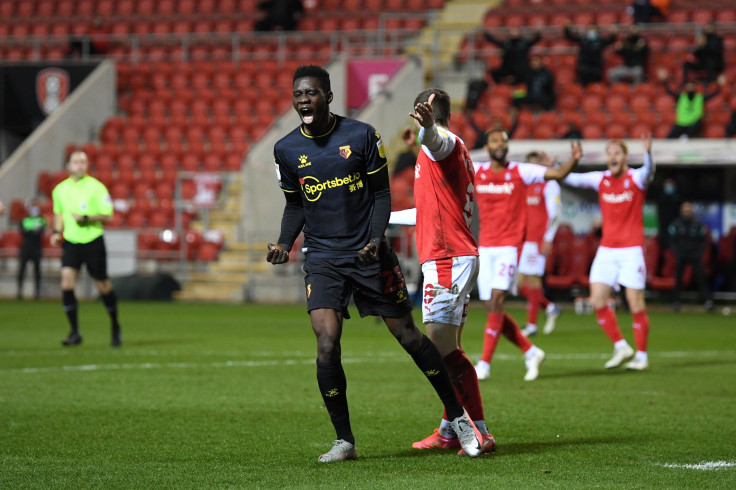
(704, 466)
(382, 357)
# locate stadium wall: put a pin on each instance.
(76, 120)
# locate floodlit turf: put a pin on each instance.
(209, 396)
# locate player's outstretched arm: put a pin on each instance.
(646, 170)
(563, 170)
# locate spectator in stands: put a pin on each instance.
(408, 158)
(481, 134)
(635, 52)
(573, 132)
(31, 228)
(515, 58)
(93, 43)
(540, 87)
(279, 15)
(668, 208)
(590, 55)
(2, 208)
(690, 107)
(707, 57)
(645, 11)
(689, 239)
(99, 43)
(402, 178)
(731, 127)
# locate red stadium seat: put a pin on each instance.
(591, 103)
(664, 103)
(714, 131)
(639, 103)
(616, 131)
(616, 103)
(592, 131)
(544, 131)
(639, 130)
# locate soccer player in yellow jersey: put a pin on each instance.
(82, 205)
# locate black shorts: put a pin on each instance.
(378, 289)
(93, 254)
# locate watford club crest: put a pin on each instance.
(345, 151)
(309, 290)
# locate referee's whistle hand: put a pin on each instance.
(276, 254)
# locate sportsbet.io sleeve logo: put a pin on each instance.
(379, 144)
(313, 188)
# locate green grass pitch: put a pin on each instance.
(210, 396)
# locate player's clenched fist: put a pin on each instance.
(368, 254)
(277, 254)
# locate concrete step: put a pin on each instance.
(233, 256)
(219, 277)
(210, 291)
(232, 206)
(224, 216)
(252, 247)
(242, 267)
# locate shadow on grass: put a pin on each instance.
(516, 448)
(593, 372)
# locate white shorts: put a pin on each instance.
(447, 286)
(624, 266)
(497, 270)
(531, 262)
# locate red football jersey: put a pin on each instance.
(502, 202)
(622, 203)
(443, 194)
(542, 204)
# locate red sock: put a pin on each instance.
(534, 299)
(465, 381)
(543, 301)
(608, 322)
(512, 332)
(490, 338)
(524, 291)
(641, 330)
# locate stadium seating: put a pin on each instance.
(668, 48)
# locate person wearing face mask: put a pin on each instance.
(590, 56)
(689, 239)
(668, 208)
(635, 52)
(515, 59)
(31, 228)
(690, 106)
(707, 59)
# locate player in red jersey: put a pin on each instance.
(620, 257)
(542, 220)
(443, 194)
(501, 188)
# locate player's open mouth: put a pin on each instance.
(307, 115)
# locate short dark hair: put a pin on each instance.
(496, 130)
(534, 154)
(440, 104)
(314, 71)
